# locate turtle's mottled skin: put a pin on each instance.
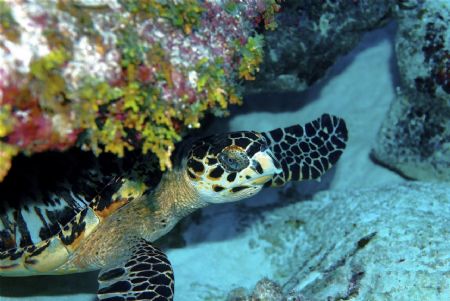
(107, 217)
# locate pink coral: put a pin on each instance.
(126, 74)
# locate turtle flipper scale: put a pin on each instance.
(307, 152)
(146, 275)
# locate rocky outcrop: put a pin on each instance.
(310, 36)
(388, 243)
(415, 136)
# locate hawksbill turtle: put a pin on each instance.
(94, 213)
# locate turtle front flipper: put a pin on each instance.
(146, 275)
(307, 152)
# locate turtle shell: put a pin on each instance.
(50, 202)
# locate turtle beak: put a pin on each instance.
(265, 166)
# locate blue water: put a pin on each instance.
(221, 250)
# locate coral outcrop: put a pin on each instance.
(119, 75)
(415, 136)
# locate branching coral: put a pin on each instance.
(120, 75)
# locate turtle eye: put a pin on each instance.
(233, 160)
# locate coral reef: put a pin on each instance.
(119, 75)
(387, 243)
(265, 290)
(415, 136)
(309, 38)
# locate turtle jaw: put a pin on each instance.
(262, 180)
(264, 167)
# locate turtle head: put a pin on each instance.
(230, 167)
(233, 166)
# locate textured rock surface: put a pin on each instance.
(265, 290)
(390, 243)
(310, 36)
(415, 137)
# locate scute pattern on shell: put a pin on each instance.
(63, 197)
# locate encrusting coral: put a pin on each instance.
(121, 75)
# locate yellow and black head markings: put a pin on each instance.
(224, 167)
(82, 212)
(227, 167)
